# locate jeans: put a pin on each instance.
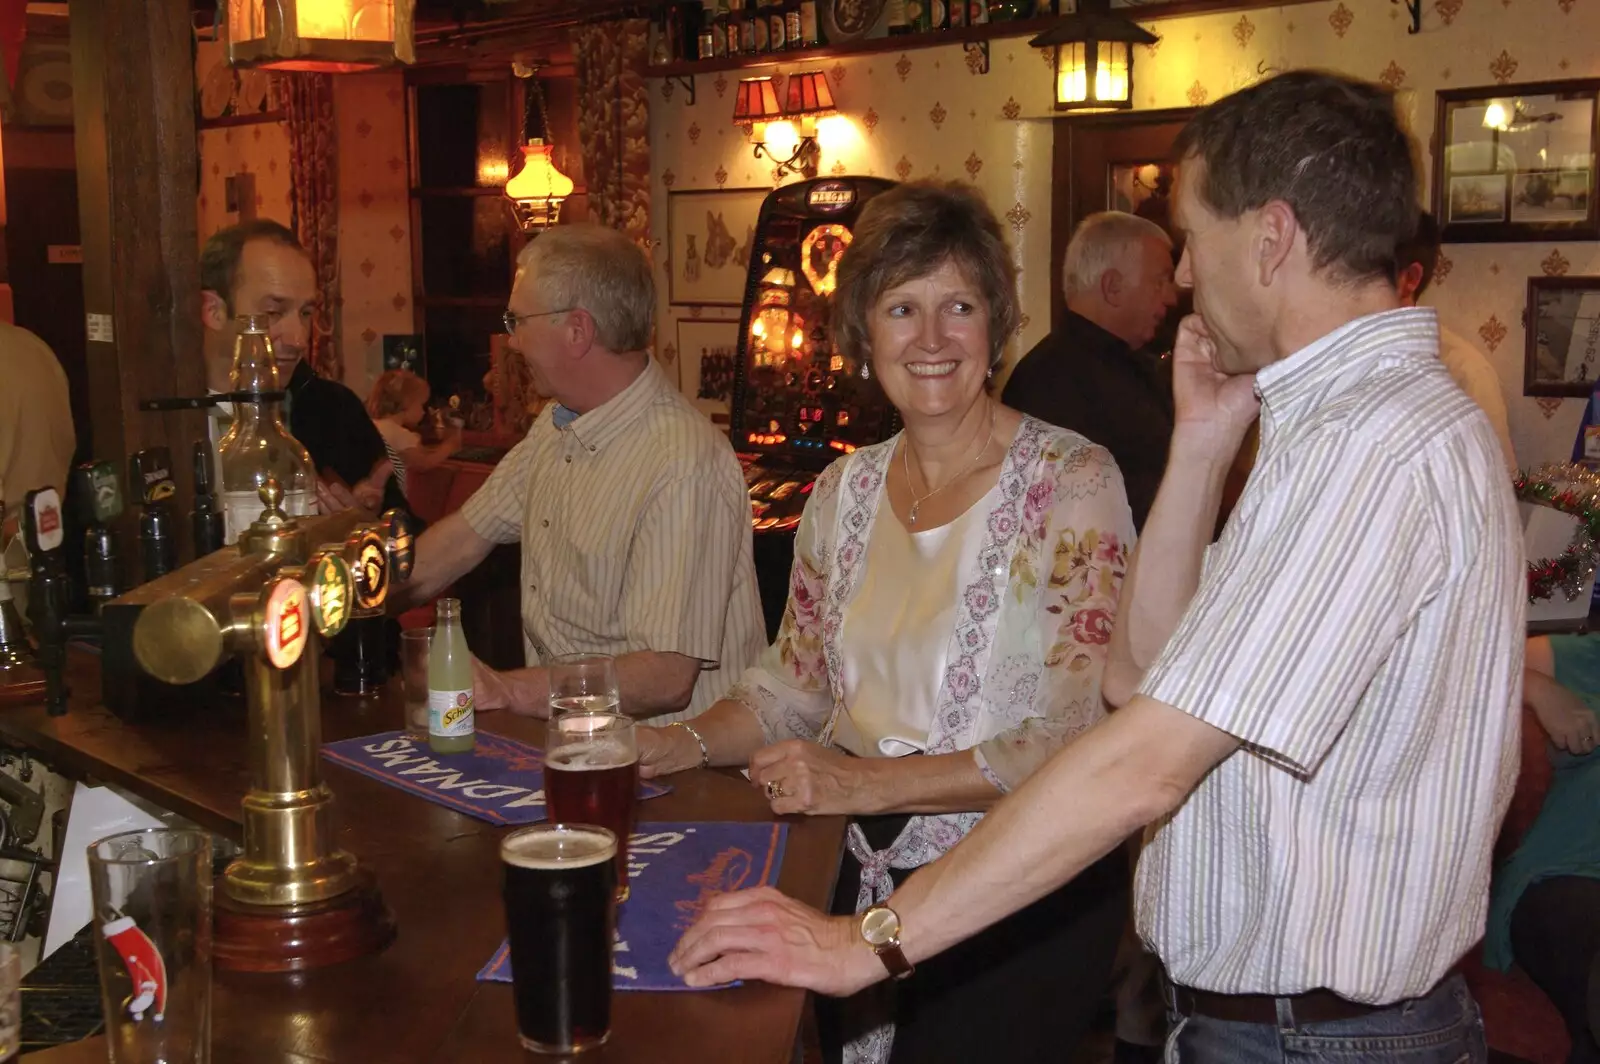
(1442, 1028)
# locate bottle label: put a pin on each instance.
(450, 712)
(240, 509)
(762, 42)
(897, 14)
(776, 33)
(938, 15)
(808, 22)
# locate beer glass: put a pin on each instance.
(414, 644)
(591, 776)
(583, 683)
(152, 941)
(560, 882)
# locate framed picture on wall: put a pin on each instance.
(1563, 336)
(1517, 162)
(706, 353)
(709, 234)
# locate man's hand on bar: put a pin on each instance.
(509, 690)
(767, 935)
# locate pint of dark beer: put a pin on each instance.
(591, 776)
(560, 915)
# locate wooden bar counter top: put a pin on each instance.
(417, 1002)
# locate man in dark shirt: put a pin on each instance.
(1089, 375)
(258, 267)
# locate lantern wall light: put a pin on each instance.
(787, 133)
(325, 36)
(1094, 58)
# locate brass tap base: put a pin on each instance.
(258, 938)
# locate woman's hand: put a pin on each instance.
(813, 779)
(1570, 723)
(663, 751)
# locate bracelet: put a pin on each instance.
(705, 754)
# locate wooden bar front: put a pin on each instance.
(439, 870)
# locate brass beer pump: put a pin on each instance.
(292, 899)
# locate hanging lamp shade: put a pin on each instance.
(538, 189)
(809, 95)
(325, 36)
(1094, 58)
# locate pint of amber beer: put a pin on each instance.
(591, 776)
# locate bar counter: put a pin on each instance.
(439, 871)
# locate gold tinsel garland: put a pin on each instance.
(1572, 489)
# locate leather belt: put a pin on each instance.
(1313, 1006)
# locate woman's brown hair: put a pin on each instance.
(393, 391)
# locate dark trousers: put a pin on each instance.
(1555, 937)
(1024, 990)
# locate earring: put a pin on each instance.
(866, 370)
(990, 374)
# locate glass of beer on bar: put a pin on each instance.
(591, 776)
(560, 888)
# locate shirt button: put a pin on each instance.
(591, 448)
(545, 523)
(569, 458)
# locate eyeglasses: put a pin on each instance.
(512, 320)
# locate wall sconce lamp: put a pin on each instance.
(325, 36)
(538, 189)
(1094, 58)
(787, 135)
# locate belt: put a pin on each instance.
(1313, 1006)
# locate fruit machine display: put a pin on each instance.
(798, 404)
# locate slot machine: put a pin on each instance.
(798, 404)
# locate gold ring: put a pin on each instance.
(775, 790)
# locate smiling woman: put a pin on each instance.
(947, 625)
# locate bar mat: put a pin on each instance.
(673, 870)
(501, 780)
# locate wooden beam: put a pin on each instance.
(133, 109)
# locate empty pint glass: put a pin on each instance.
(591, 776)
(152, 939)
(560, 888)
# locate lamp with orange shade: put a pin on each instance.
(787, 135)
(325, 36)
(538, 189)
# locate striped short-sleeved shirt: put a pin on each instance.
(635, 531)
(1359, 627)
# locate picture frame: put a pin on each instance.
(1517, 162)
(707, 350)
(709, 236)
(1562, 336)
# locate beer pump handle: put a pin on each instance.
(97, 496)
(150, 475)
(205, 520)
(42, 533)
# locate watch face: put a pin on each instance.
(880, 926)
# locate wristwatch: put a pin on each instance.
(880, 927)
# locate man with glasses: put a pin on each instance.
(630, 506)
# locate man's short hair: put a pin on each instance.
(1099, 243)
(1422, 250)
(219, 259)
(1329, 146)
(599, 270)
(909, 232)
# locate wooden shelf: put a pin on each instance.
(242, 120)
(866, 46)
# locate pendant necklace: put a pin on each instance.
(905, 456)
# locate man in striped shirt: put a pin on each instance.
(629, 504)
(1319, 712)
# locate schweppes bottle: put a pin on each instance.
(451, 727)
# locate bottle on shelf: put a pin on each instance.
(451, 727)
(257, 445)
(761, 19)
(735, 27)
(792, 36)
(748, 22)
(719, 30)
(810, 24)
(938, 14)
(899, 18)
(706, 34)
(958, 14)
(777, 34)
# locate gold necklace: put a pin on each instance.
(905, 456)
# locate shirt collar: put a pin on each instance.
(1325, 367)
(598, 427)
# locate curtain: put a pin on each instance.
(313, 169)
(614, 123)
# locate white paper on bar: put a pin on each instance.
(96, 812)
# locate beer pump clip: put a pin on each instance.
(98, 498)
(14, 649)
(43, 533)
(150, 475)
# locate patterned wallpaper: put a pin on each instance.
(926, 113)
(374, 206)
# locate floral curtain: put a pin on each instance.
(313, 169)
(614, 123)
